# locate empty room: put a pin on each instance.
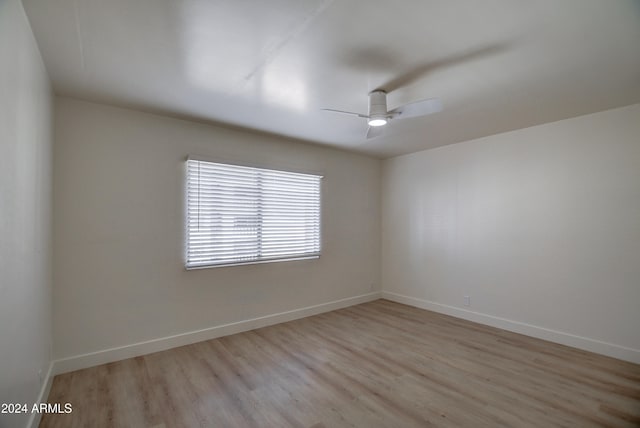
(319, 213)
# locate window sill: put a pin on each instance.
(253, 262)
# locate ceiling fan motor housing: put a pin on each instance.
(378, 105)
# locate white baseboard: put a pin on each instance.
(34, 419)
(592, 345)
(134, 350)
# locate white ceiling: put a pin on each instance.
(272, 65)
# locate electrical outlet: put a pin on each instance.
(467, 300)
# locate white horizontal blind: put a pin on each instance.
(239, 214)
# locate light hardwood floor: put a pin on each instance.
(379, 364)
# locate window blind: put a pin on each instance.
(239, 215)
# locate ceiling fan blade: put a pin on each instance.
(418, 108)
(375, 131)
(344, 112)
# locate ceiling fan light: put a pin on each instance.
(377, 122)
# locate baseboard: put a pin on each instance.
(134, 350)
(584, 343)
(34, 418)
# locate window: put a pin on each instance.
(240, 215)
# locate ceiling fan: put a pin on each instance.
(379, 115)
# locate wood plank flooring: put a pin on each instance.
(379, 364)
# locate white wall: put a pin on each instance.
(25, 213)
(118, 230)
(539, 226)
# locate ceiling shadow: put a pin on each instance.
(423, 69)
(371, 58)
(382, 59)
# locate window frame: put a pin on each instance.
(272, 168)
